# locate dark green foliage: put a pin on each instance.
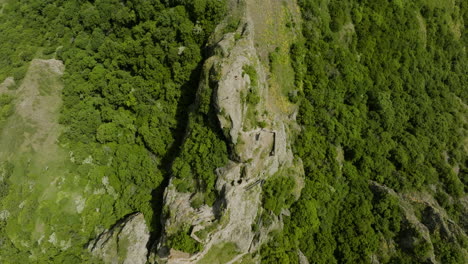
(130, 87)
(6, 169)
(280, 249)
(252, 96)
(232, 24)
(6, 106)
(183, 242)
(250, 70)
(380, 101)
(448, 252)
(132, 71)
(277, 193)
(202, 152)
(387, 214)
(337, 11)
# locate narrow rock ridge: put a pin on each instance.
(259, 137)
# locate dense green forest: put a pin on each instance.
(132, 71)
(384, 100)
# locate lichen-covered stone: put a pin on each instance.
(124, 243)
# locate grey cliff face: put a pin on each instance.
(124, 243)
(260, 147)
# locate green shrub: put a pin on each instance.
(19, 73)
(277, 193)
(250, 70)
(183, 242)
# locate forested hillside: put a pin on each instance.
(131, 72)
(385, 86)
(104, 102)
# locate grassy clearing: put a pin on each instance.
(203, 234)
(282, 71)
(276, 29)
(247, 259)
(275, 26)
(48, 84)
(34, 125)
(44, 195)
(219, 254)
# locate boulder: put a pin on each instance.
(124, 243)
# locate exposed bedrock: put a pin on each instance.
(124, 243)
(260, 146)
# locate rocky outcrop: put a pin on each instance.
(433, 219)
(260, 146)
(124, 243)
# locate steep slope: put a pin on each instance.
(338, 137)
(130, 70)
(424, 224)
(384, 134)
(34, 167)
(258, 122)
